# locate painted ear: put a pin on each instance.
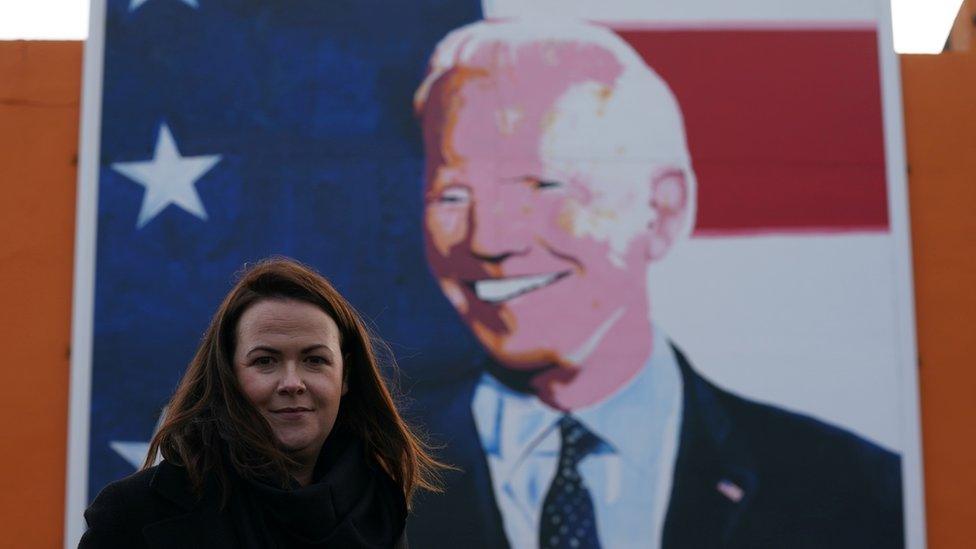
(671, 204)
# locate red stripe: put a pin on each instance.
(785, 127)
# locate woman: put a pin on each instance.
(280, 434)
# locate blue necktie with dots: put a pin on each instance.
(568, 520)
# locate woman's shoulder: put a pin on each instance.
(128, 490)
(123, 508)
(134, 485)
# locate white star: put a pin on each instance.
(133, 452)
(168, 178)
(134, 4)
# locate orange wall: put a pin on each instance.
(940, 127)
(39, 90)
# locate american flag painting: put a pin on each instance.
(231, 131)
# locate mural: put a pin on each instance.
(643, 281)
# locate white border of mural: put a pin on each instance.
(890, 298)
(83, 300)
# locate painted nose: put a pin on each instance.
(498, 229)
(291, 383)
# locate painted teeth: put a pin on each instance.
(503, 289)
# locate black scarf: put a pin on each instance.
(350, 502)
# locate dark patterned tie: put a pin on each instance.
(568, 521)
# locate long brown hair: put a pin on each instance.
(209, 421)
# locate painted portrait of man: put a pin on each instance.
(557, 174)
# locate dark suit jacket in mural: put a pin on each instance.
(804, 483)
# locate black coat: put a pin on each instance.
(155, 508)
(804, 484)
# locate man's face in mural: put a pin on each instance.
(536, 229)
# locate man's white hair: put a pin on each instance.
(642, 111)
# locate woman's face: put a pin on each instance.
(289, 364)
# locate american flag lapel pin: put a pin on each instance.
(730, 490)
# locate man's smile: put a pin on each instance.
(497, 290)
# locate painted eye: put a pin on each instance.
(454, 194)
(543, 184)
